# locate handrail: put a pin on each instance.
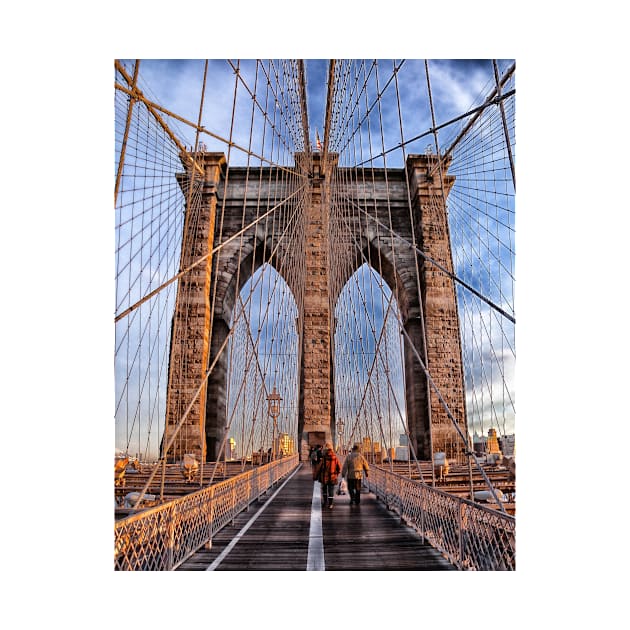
(470, 536)
(163, 537)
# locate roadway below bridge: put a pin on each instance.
(289, 530)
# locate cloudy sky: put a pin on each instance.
(456, 86)
(397, 115)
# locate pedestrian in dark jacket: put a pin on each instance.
(328, 473)
(353, 468)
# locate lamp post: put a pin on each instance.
(252, 440)
(340, 431)
(273, 401)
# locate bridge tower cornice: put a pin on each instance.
(426, 175)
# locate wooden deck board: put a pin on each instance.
(365, 537)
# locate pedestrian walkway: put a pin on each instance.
(288, 530)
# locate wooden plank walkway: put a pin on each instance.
(365, 537)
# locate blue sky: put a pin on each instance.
(456, 86)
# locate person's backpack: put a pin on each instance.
(316, 469)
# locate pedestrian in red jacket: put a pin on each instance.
(328, 473)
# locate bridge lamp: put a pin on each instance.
(273, 400)
(340, 431)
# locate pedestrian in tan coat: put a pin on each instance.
(353, 468)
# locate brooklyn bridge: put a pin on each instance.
(314, 252)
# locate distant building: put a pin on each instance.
(492, 443)
(507, 444)
(230, 449)
(286, 445)
(402, 453)
(479, 444)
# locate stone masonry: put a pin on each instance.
(443, 352)
(316, 378)
(193, 350)
(190, 336)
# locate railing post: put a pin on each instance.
(250, 490)
(422, 500)
(168, 532)
(233, 503)
(170, 544)
(211, 511)
(460, 525)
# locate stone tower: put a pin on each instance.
(424, 294)
(191, 329)
(316, 378)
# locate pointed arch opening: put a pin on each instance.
(369, 369)
(262, 384)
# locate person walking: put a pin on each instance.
(328, 473)
(353, 468)
(315, 455)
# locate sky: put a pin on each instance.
(176, 83)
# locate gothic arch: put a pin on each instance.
(422, 293)
(241, 262)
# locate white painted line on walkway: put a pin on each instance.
(221, 556)
(315, 560)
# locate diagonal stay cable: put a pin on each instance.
(470, 453)
(476, 110)
(446, 408)
(123, 149)
(148, 296)
(452, 276)
(504, 121)
(207, 376)
(154, 108)
(385, 318)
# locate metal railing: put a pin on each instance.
(470, 536)
(161, 538)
